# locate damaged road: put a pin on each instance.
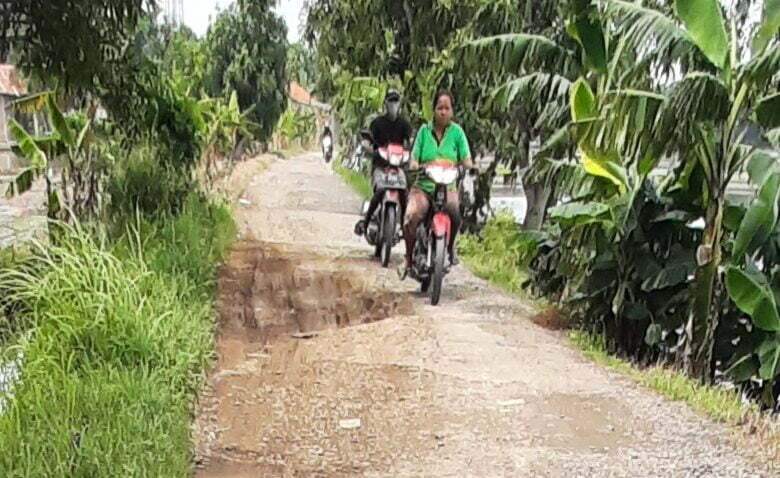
(329, 366)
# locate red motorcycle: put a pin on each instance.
(384, 229)
(433, 234)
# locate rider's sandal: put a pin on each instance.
(454, 261)
(403, 272)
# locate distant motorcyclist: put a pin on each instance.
(389, 128)
(326, 141)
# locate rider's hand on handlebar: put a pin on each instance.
(414, 165)
(469, 170)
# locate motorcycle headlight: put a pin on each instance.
(442, 175)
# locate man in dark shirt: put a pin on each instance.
(389, 128)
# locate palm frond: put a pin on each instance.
(549, 92)
(567, 176)
(624, 128)
(762, 71)
(557, 145)
(521, 52)
(650, 33)
(698, 98)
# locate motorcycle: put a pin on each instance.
(433, 234)
(327, 148)
(384, 230)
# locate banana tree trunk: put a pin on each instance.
(537, 197)
(703, 317)
(536, 194)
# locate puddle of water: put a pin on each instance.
(10, 373)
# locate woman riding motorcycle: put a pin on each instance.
(440, 140)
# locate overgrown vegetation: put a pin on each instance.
(503, 254)
(613, 88)
(115, 333)
(111, 321)
(356, 180)
(721, 404)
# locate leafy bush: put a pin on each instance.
(247, 51)
(144, 183)
(501, 252)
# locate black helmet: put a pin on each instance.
(392, 95)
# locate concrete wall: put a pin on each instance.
(9, 163)
(3, 121)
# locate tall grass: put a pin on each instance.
(356, 180)
(501, 253)
(118, 335)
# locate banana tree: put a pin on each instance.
(543, 64)
(73, 146)
(702, 118)
(223, 124)
(755, 290)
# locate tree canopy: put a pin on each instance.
(247, 51)
(72, 41)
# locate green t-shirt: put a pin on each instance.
(454, 147)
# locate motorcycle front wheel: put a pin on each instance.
(438, 269)
(388, 234)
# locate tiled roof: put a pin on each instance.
(297, 93)
(10, 82)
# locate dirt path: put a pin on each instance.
(389, 386)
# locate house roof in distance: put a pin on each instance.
(10, 81)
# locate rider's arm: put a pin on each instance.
(464, 152)
(414, 163)
(407, 134)
(371, 148)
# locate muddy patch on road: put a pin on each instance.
(267, 294)
(274, 302)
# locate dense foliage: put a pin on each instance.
(413, 46)
(111, 323)
(247, 51)
(78, 43)
(606, 90)
(622, 254)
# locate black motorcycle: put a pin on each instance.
(384, 229)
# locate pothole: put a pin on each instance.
(269, 294)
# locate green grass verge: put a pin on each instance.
(117, 335)
(720, 404)
(357, 181)
(499, 255)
